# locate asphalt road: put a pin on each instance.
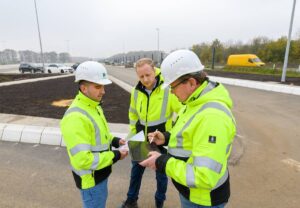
(38, 176)
(267, 175)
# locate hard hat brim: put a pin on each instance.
(104, 82)
(101, 82)
(164, 86)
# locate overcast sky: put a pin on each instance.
(101, 28)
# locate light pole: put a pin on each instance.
(68, 50)
(157, 29)
(38, 26)
(157, 39)
(286, 57)
(124, 62)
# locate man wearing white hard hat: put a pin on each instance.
(87, 137)
(200, 142)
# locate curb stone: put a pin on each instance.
(35, 134)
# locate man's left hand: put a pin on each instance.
(150, 161)
(122, 142)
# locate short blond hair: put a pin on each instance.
(141, 62)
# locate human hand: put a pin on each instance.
(122, 142)
(123, 153)
(150, 161)
(157, 137)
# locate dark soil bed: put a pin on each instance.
(16, 77)
(34, 99)
(255, 77)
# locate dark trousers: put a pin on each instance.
(137, 172)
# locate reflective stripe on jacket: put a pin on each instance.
(200, 144)
(87, 137)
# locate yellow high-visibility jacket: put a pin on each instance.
(154, 111)
(88, 139)
(199, 146)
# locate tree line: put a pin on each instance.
(9, 56)
(269, 51)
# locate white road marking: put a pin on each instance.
(292, 163)
(240, 136)
(36, 145)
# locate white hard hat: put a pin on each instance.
(92, 71)
(179, 63)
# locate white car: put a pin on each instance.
(58, 68)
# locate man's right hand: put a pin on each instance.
(157, 137)
(123, 153)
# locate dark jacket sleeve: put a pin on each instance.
(161, 163)
(117, 156)
(167, 137)
(115, 142)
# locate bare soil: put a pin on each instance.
(16, 77)
(255, 77)
(35, 99)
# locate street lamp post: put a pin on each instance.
(286, 57)
(68, 50)
(157, 29)
(38, 26)
(157, 39)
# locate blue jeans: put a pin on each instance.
(185, 203)
(137, 172)
(96, 196)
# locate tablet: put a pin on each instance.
(139, 150)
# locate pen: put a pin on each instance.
(151, 138)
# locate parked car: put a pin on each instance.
(58, 68)
(32, 68)
(74, 66)
(129, 65)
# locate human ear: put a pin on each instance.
(83, 88)
(193, 83)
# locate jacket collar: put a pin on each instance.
(209, 92)
(86, 100)
(197, 93)
(159, 82)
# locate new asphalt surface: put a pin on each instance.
(38, 176)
